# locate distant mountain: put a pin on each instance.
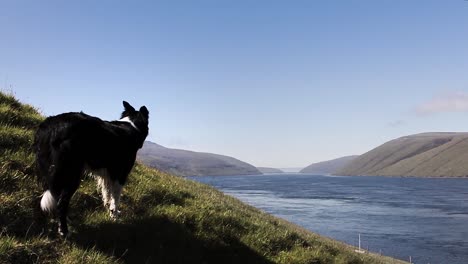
(269, 170)
(329, 166)
(190, 163)
(291, 170)
(422, 155)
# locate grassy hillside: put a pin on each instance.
(422, 155)
(189, 163)
(329, 166)
(165, 219)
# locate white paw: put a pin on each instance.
(114, 214)
(63, 234)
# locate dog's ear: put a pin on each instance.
(144, 111)
(128, 107)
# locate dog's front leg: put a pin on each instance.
(105, 184)
(115, 200)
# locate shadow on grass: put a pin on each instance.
(159, 240)
(23, 219)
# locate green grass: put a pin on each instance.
(165, 219)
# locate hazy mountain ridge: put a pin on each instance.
(190, 163)
(269, 170)
(329, 166)
(420, 155)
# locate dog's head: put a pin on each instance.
(138, 118)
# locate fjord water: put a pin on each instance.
(424, 218)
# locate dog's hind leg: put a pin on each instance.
(70, 178)
(62, 207)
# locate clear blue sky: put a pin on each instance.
(273, 83)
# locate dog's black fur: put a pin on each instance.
(70, 144)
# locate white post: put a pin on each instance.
(359, 242)
(359, 250)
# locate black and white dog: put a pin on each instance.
(71, 144)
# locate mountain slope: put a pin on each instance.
(422, 155)
(329, 166)
(165, 219)
(190, 163)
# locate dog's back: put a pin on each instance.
(54, 140)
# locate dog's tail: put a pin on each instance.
(48, 202)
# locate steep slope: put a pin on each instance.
(165, 219)
(269, 170)
(190, 163)
(422, 155)
(329, 166)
